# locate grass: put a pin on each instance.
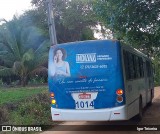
(25, 106)
(16, 94)
(35, 111)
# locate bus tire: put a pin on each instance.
(150, 102)
(140, 114)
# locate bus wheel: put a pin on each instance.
(140, 114)
(150, 102)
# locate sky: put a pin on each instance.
(8, 8)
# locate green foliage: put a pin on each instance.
(24, 47)
(72, 18)
(37, 80)
(87, 34)
(24, 50)
(31, 110)
(15, 94)
(134, 21)
(1, 82)
(4, 115)
(35, 111)
(156, 64)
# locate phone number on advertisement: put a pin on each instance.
(92, 66)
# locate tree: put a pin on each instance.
(72, 18)
(156, 63)
(134, 21)
(23, 51)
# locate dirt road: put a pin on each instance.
(151, 117)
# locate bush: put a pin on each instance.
(31, 111)
(1, 83)
(4, 115)
(36, 80)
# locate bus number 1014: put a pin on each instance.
(84, 105)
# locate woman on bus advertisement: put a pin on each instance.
(62, 68)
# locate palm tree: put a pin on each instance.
(23, 50)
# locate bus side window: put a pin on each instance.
(131, 66)
(126, 64)
(137, 69)
(141, 67)
(148, 68)
(134, 66)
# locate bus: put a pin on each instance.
(99, 80)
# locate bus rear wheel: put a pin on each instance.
(150, 102)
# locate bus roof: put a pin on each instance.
(128, 47)
(87, 41)
(134, 50)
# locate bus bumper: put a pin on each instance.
(108, 114)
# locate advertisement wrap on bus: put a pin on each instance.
(93, 79)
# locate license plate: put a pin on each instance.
(84, 100)
(84, 104)
(84, 96)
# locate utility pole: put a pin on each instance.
(51, 24)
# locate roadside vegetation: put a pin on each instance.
(24, 46)
(25, 106)
(24, 40)
(11, 95)
(135, 22)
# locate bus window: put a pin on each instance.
(125, 55)
(141, 67)
(131, 66)
(138, 67)
(134, 66)
(148, 68)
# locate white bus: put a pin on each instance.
(98, 81)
